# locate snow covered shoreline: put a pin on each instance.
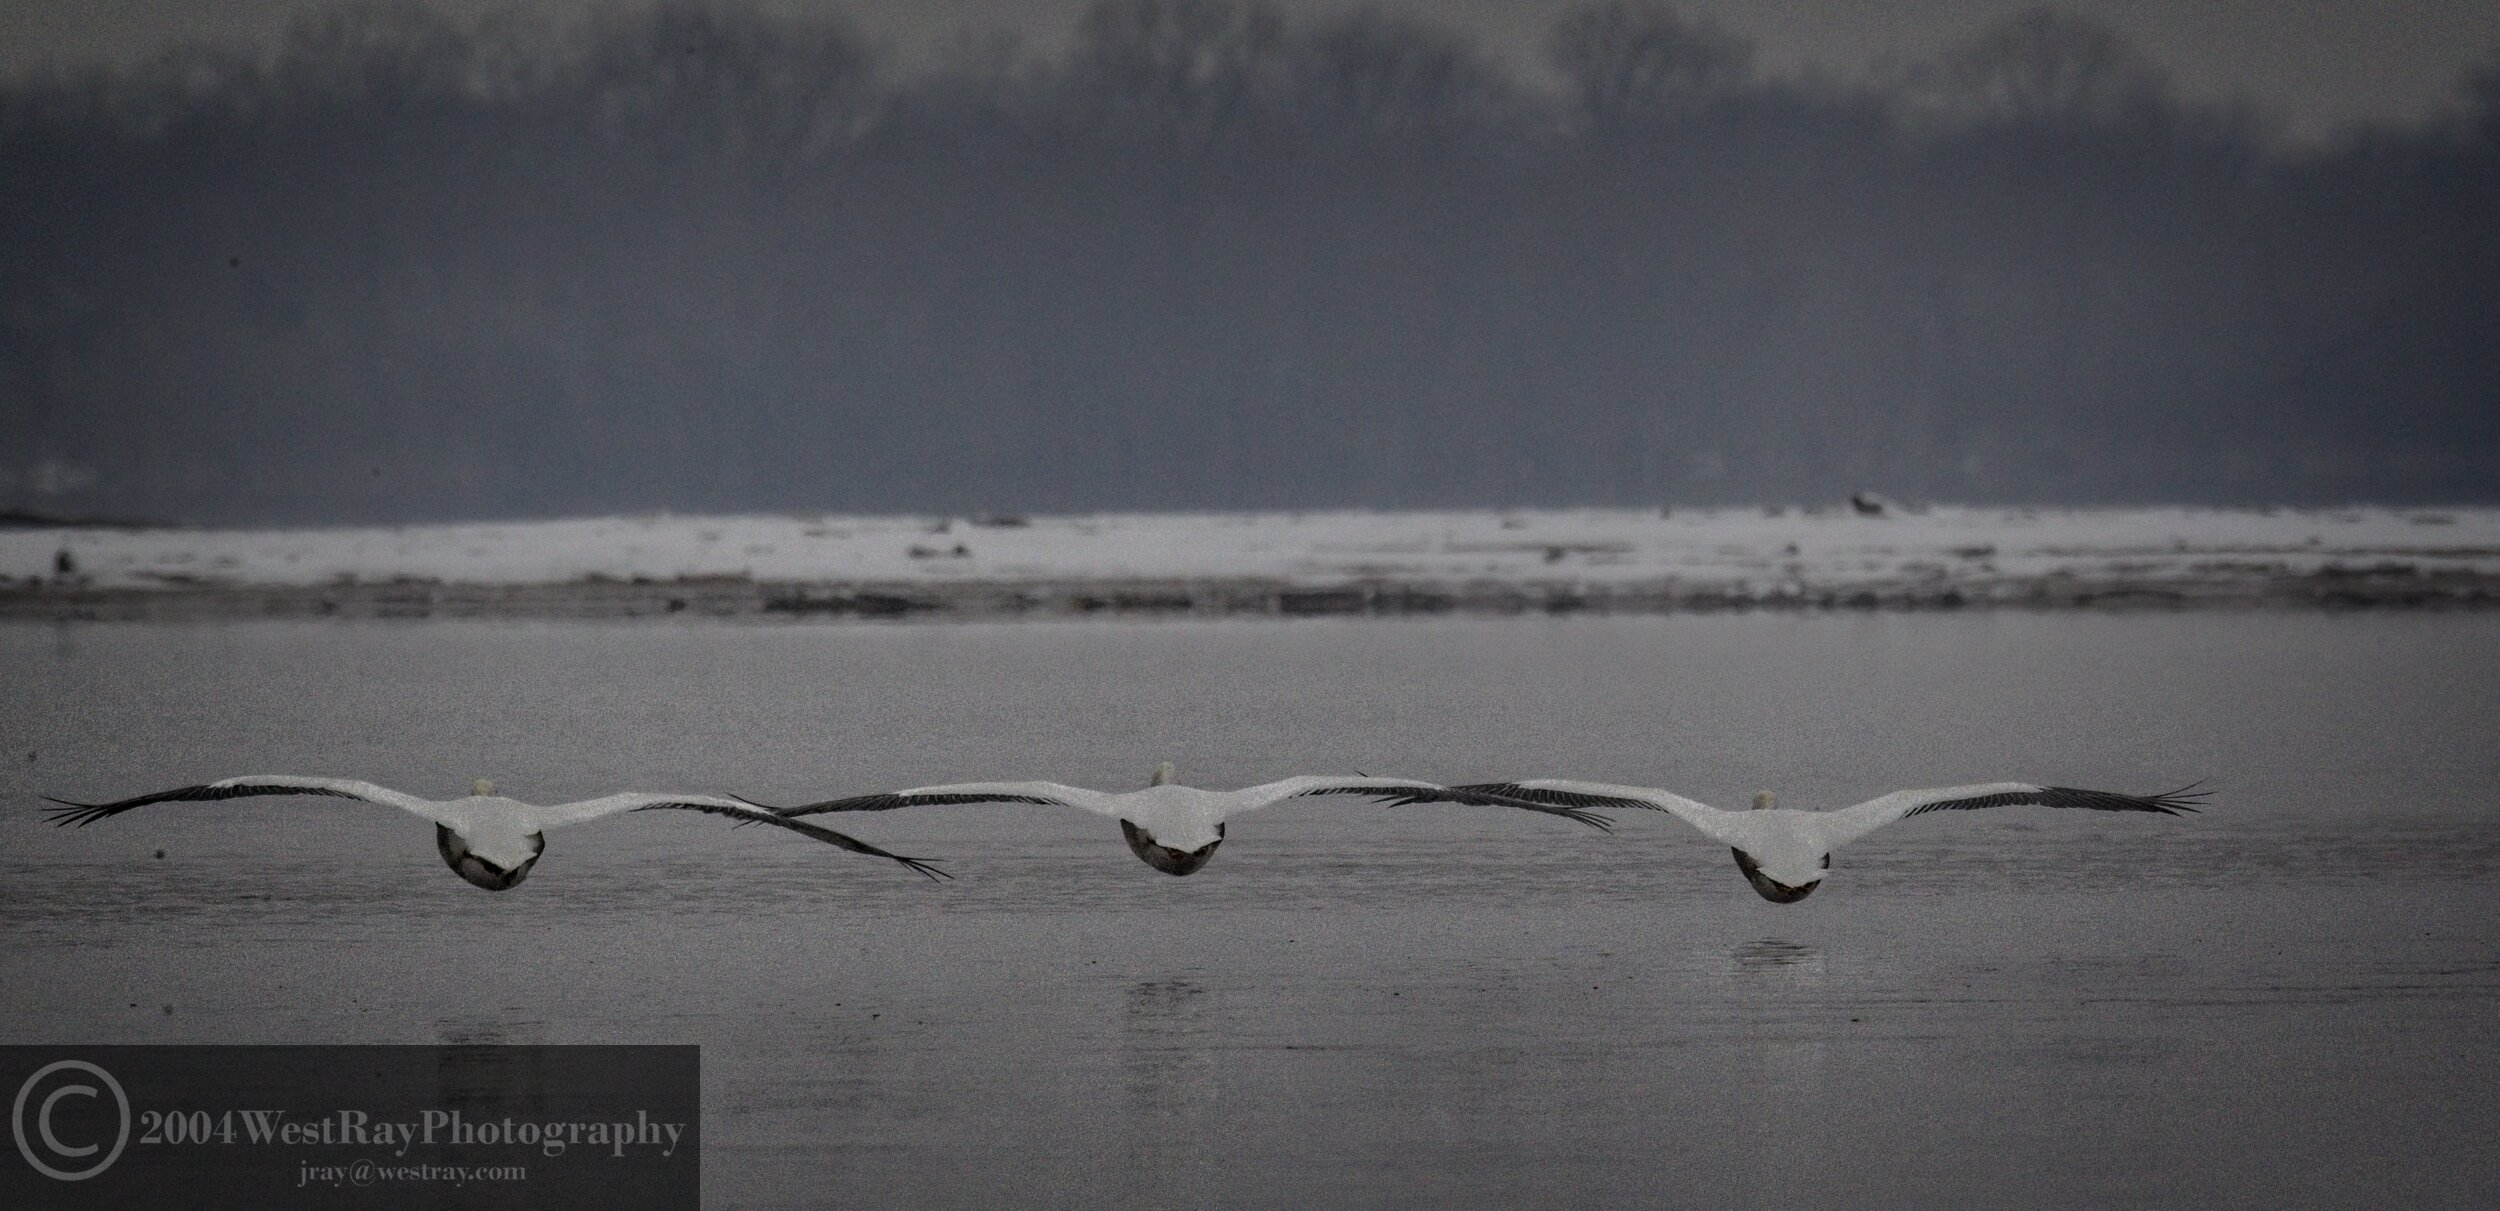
(1511, 561)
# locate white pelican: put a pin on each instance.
(487, 839)
(1176, 828)
(1784, 852)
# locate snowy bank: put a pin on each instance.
(1338, 562)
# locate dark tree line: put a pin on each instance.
(704, 257)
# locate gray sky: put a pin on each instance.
(2319, 63)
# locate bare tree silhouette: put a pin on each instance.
(1627, 64)
(2044, 67)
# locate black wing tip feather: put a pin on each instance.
(1473, 796)
(84, 814)
(1568, 811)
(888, 801)
(1547, 797)
(80, 814)
(885, 801)
(743, 821)
(925, 867)
(2185, 800)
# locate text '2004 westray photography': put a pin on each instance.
(353, 1126)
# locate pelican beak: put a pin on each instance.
(1165, 858)
(1772, 889)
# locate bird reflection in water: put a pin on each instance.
(1777, 959)
(1168, 1067)
(1789, 1093)
(489, 1068)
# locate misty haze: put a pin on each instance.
(707, 258)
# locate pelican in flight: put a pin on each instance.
(1783, 852)
(486, 838)
(1176, 828)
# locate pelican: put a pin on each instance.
(1176, 828)
(487, 839)
(1784, 852)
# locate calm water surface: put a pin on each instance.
(2287, 1000)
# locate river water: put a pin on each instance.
(2288, 999)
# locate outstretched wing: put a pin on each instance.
(748, 813)
(1565, 792)
(1400, 792)
(557, 815)
(1048, 793)
(83, 814)
(1850, 823)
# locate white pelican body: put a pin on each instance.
(1784, 853)
(485, 838)
(1176, 828)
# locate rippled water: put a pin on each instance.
(2285, 1000)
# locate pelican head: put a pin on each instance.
(465, 862)
(1762, 801)
(1165, 858)
(481, 788)
(1163, 774)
